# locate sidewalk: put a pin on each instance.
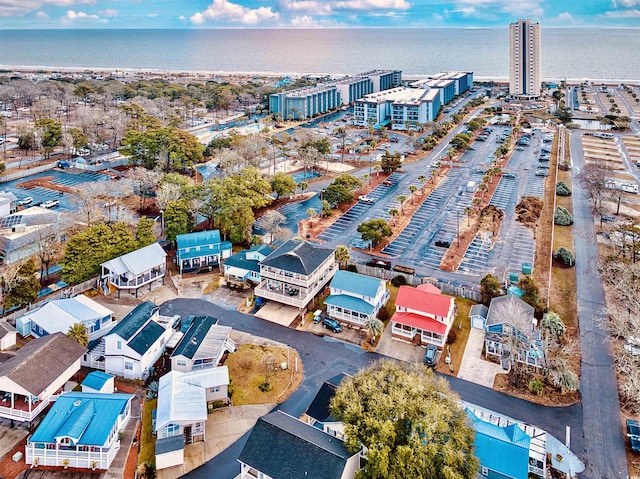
(473, 368)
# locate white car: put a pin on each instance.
(50, 204)
(27, 200)
(366, 199)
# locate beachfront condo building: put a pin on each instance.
(450, 84)
(400, 108)
(308, 102)
(524, 59)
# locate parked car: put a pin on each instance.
(50, 204)
(394, 139)
(508, 175)
(607, 218)
(542, 173)
(27, 200)
(431, 356)
(331, 324)
(379, 263)
(366, 199)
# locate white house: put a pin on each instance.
(98, 382)
(8, 336)
(133, 346)
(132, 271)
(202, 346)
(478, 316)
(355, 298)
(59, 315)
(32, 378)
(183, 403)
(81, 430)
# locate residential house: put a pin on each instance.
(32, 378)
(24, 233)
(510, 324)
(296, 272)
(98, 382)
(183, 403)
(318, 414)
(61, 314)
(478, 316)
(8, 203)
(202, 346)
(134, 344)
(355, 298)
(132, 271)
(283, 447)
(8, 336)
(244, 266)
(203, 249)
(81, 430)
(506, 449)
(423, 315)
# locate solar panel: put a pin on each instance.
(10, 221)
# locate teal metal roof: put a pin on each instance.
(87, 418)
(239, 260)
(133, 321)
(96, 379)
(148, 335)
(501, 449)
(350, 303)
(356, 283)
(199, 238)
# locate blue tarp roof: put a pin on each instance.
(356, 283)
(96, 379)
(85, 417)
(349, 302)
(501, 449)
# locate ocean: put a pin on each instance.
(567, 53)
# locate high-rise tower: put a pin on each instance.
(524, 59)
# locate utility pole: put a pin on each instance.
(458, 226)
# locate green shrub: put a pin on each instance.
(398, 280)
(562, 217)
(565, 256)
(536, 387)
(265, 387)
(352, 268)
(383, 314)
(451, 338)
(562, 189)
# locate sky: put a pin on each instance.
(28, 14)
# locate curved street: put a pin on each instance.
(324, 358)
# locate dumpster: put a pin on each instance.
(527, 268)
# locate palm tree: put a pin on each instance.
(393, 213)
(366, 177)
(477, 202)
(311, 212)
(434, 173)
(342, 255)
(412, 189)
(483, 187)
(468, 210)
(377, 169)
(401, 199)
(303, 185)
(374, 327)
(78, 332)
(422, 179)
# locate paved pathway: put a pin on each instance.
(473, 367)
(604, 440)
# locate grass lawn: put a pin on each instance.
(147, 440)
(248, 370)
(457, 347)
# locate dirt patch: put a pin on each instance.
(490, 220)
(550, 397)
(460, 329)
(528, 211)
(253, 366)
(45, 182)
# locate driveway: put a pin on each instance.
(473, 367)
(409, 352)
(323, 358)
(278, 313)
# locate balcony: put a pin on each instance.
(22, 410)
(38, 453)
(122, 282)
(299, 300)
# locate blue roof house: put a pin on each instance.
(505, 451)
(134, 344)
(80, 431)
(98, 382)
(203, 249)
(355, 298)
(244, 266)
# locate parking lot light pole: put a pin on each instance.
(458, 225)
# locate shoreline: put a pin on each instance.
(30, 69)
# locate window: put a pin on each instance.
(128, 366)
(119, 345)
(215, 389)
(485, 471)
(181, 362)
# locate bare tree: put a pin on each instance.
(271, 222)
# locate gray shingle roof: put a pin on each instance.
(169, 444)
(283, 447)
(319, 408)
(148, 335)
(299, 257)
(202, 334)
(512, 310)
(41, 361)
(479, 310)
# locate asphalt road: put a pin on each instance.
(323, 358)
(604, 442)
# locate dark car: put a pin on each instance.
(431, 356)
(508, 175)
(379, 263)
(331, 324)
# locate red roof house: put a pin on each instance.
(423, 315)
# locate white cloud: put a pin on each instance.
(152, 15)
(182, 17)
(626, 3)
(42, 15)
(73, 16)
(223, 10)
(564, 17)
(304, 21)
(372, 4)
(10, 8)
(528, 8)
(635, 13)
(109, 12)
(307, 6)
